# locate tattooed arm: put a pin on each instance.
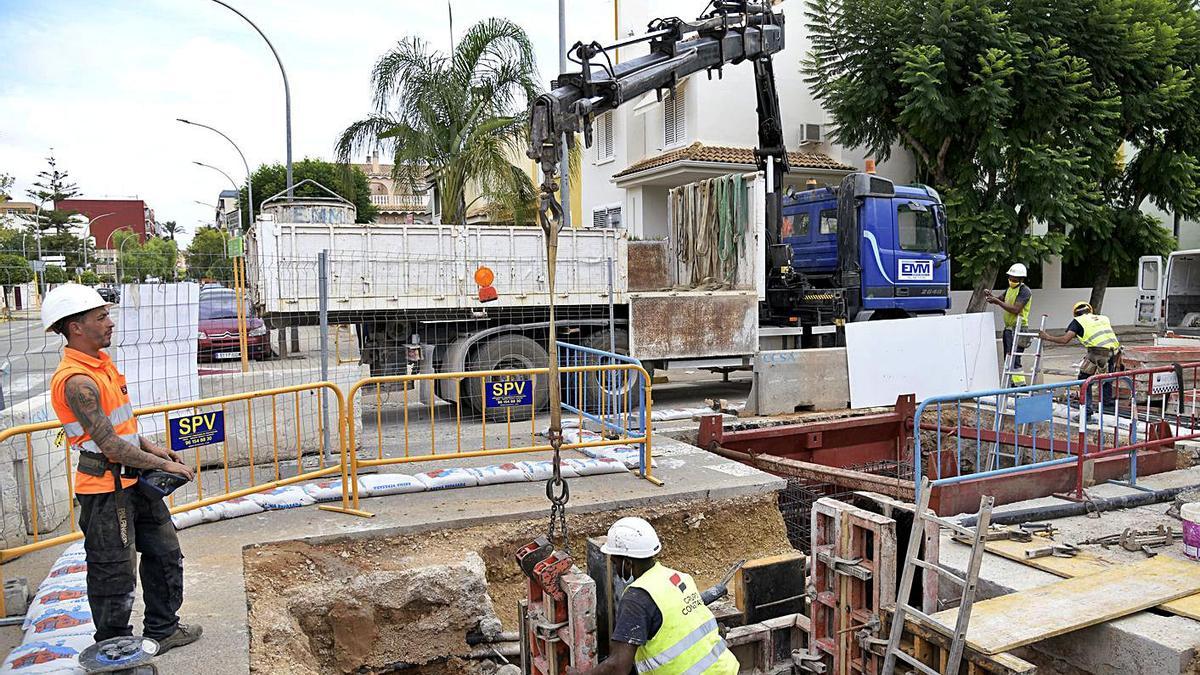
(83, 397)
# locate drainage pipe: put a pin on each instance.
(481, 639)
(1039, 513)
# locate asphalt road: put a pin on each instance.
(30, 354)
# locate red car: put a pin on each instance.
(219, 328)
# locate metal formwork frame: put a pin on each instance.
(854, 573)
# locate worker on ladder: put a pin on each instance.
(1096, 333)
(1017, 302)
(662, 624)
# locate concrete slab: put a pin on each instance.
(215, 592)
(1146, 642)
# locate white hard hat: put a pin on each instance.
(67, 300)
(632, 538)
(1018, 270)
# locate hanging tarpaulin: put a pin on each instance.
(708, 221)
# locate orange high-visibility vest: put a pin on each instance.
(114, 401)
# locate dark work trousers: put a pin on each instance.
(111, 563)
(1008, 347)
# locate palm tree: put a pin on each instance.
(170, 229)
(456, 120)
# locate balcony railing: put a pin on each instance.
(405, 202)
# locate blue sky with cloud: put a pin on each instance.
(102, 81)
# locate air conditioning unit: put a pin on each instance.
(811, 133)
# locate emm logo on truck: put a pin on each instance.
(916, 270)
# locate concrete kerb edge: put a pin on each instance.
(704, 496)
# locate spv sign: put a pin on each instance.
(509, 391)
(192, 431)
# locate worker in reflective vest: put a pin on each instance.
(1017, 301)
(1096, 333)
(118, 521)
(662, 625)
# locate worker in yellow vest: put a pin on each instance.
(118, 516)
(1096, 333)
(662, 625)
(1017, 301)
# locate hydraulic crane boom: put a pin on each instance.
(727, 33)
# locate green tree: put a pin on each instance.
(53, 185)
(1146, 53)
(55, 275)
(14, 269)
(206, 257)
(171, 228)
(6, 183)
(271, 179)
(455, 119)
(137, 262)
(89, 277)
(65, 244)
(1000, 115)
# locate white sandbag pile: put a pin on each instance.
(58, 625)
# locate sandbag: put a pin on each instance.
(595, 466)
(630, 456)
(47, 656)
(543, 469)
(73, 570)
(325, 490)
(187, 519)
(379, 484)
(240, 506)
(498, 473)
(60, 621)
(53, 595)
(286, 497)
(445, 479)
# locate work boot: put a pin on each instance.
(185, 634)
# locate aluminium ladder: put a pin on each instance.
(1008, 381)
(912, 561)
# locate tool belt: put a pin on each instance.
(94, 464)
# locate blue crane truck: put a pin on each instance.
(865, 249)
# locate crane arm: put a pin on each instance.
(727, 34)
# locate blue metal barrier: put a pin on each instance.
(1030, 423)
(615, 400)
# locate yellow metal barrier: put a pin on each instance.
(612, 404)
(197, 499)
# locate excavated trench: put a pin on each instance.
(405, 603)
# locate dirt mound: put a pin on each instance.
(355, 605)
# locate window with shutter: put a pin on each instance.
(675, 117)
(605, 145)
(606, 217)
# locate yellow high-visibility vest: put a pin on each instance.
(688, 642)
(1098, 332)
(1010, 296)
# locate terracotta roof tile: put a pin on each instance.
(721, 154)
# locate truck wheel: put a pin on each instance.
(508, 352)
(613, 383)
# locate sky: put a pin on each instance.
(103, 81)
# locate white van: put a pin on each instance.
(1170, 297)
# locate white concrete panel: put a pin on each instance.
(154, 345)
(930, 356)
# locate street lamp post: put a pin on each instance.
(287, 93)
(87, 234)
(249, 183)
(231, 182)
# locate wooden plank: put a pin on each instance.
(1081, 564)
(1010, 621)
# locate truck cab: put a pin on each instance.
(1169, 295)
(892, 263)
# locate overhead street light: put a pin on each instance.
(287, 92)
(87, 234)
(245, 164)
